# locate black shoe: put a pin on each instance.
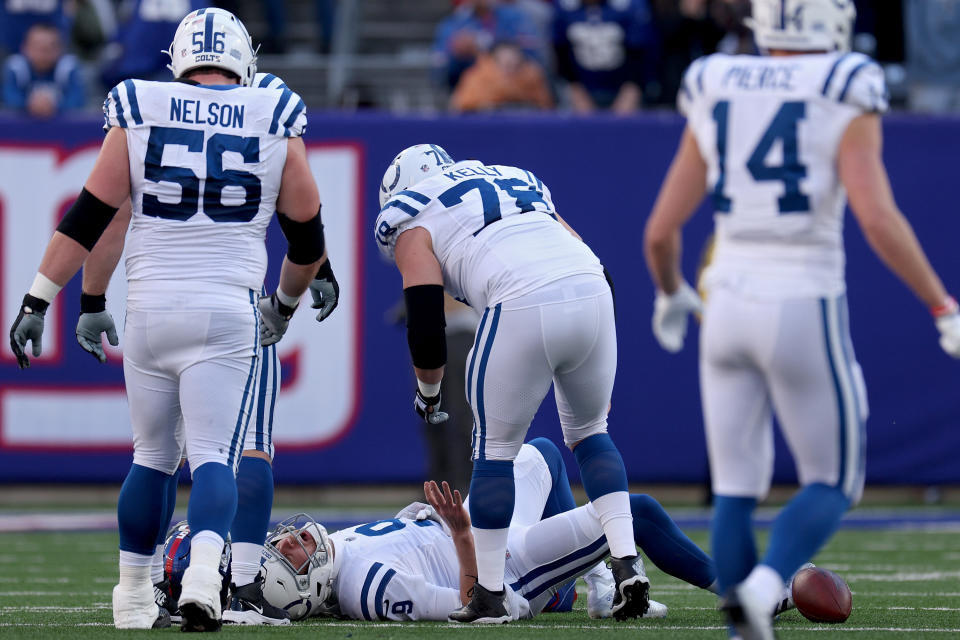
(164, 599)
(485, 607)
(196, 618)
(163, 619)
(632, 596)
(248, 606)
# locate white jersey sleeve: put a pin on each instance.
(268, 81)
(856, 80)
(121, 108)
(397, 215)
(371, 590)
(691, 86)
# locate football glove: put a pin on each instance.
(95, 320)
(670, 316)
(428, 408)
(274, 319)
(325, 291)
(28, 327)
(947, 318)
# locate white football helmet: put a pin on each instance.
(802, 25)
(307, 589)
(412, 165)
(213, 38)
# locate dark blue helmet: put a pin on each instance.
(176, 559)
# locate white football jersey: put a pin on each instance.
(494, 232)
(769, 129)
(205, 170)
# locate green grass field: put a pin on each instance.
(906, 584)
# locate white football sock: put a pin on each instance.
(244, 562)
(156, 566)
(613, 510)
(765, 585)
(491, 547)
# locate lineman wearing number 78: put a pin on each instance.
(490, 236)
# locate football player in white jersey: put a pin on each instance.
(255, 471)
(490, 236)
(780, 141)
(420, 565)
(206, 163)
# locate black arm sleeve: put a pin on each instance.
(305, 241)
(425, 325)
(87, 219)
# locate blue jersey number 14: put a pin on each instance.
(783, 127)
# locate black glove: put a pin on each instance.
(325, 291)
(28, 327)
(428, 408)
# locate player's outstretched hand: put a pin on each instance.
(947, 318)
(449, 505)
(670, 315)
(325, 291)
(90, 326)
(274, 319)
(428, 408)
(28, 327)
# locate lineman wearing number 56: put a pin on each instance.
(206, 162)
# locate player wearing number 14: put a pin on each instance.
(206, 162)
(780, 141)
(490, 235)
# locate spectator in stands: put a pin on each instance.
(687, 32)
(17, 16)
(472, 28)
(729, 15)
(504, 77)
(933, 54)
(142, 40)
(600, 48)
(41, 81)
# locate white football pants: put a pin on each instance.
(562, 334)
(793, 357)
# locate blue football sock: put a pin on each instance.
(213, 500)
(667, 546)
(491, 494)
(169, 505)
(732, 544)
(254, 501)
(804, 525)
(560, 498)
(140, 509)
(601, 467)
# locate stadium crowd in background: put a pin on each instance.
(618, 55)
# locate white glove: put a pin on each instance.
(422, 511)
(949, 326)
(670, 316)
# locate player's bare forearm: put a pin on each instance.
(102, 261)
(430, 376)
(63, 258)
(860, 165)
(682, 191)
(467, 557)
(295, 278)
(449, 506)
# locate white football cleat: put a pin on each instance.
(786, 601)
(134, 608)
(600, 590)
(749, 617)
(200, 598)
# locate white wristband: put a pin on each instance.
(290, 301)
(427, 389)
(44, 288)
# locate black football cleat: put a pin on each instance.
(632, 596)
(485, 607)
(248, 606)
